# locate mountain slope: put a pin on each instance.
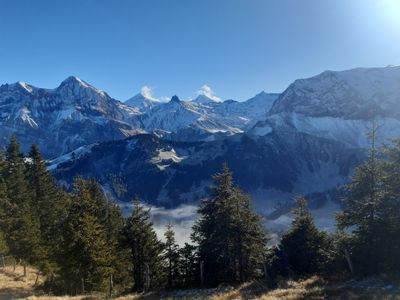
(62, 119)
(143, 102)
(340, 106)
(246, 114)
(76, 114)
(307, 143)
(171, 173)
(185, 120)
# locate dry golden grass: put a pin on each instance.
(15, 286)
(311, 288)
(290, 290)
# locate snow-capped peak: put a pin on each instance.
(143, 100)
(356, 93)
(25, 86)
(17, 86)
(147, 92)
(74, 81)
(206, 95)
(76, 84)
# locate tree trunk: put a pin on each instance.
(349, 262)
(170, 268)
(265, 271)
(111, 286)
(83, 285)
(147, 277)
(37, 278)
(202, 274)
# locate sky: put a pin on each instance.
(235, 48)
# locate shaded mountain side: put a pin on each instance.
(170, 173)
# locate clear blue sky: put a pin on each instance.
(238, 47)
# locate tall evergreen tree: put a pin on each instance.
(140, 238)
(189, 266)
(371, 212)
(390, 208)
(87, 257)
(109, 216)
(171, 256)
(251, 238)
(303, 247)
(49, 205)
(3, 205)
(21, 224)
(363, 203)
(230, 236)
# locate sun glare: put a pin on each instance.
(391, 9)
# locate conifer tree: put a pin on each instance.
(304, 247)
(87, 258)
(21, 224)
(109, 216)
(371, 211)
(140, 238)
(390, 208)
(230, 236)
(363, 203)
(3, 205)
(171, 256)
(49, 205)
(189, 266)
(251, 238)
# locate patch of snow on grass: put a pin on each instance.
(165, 157)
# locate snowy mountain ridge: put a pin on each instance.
(76, 113)
(339, 106)
(306, 140)
(62, 119)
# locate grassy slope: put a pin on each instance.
(14, 286)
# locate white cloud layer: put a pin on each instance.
(148, 92)
(206, 90)
(182, 218)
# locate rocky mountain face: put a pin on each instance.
(203, 118)
(170, 173)
(306, 140)
(246, 114)
(143, 102)
(340, 106)
(354, 94)
(189, 120)
(76, 114)
(62, 119)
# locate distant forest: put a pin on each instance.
(79, 240)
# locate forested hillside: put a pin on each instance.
(80, 243)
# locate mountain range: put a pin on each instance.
(76, 114)
(306, 140)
